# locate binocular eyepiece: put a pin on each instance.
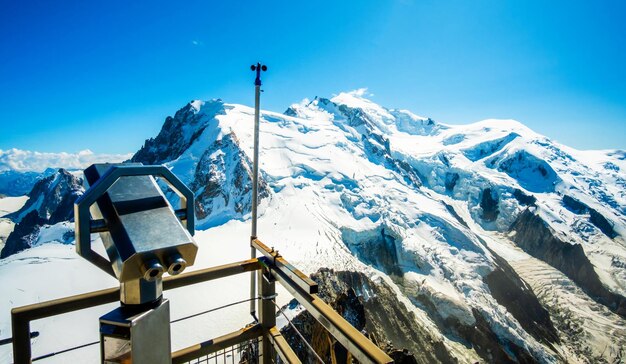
(176, 264)
(153, 269)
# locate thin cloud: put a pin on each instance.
(26, 160)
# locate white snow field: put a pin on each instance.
(11, 204)
(7, 206)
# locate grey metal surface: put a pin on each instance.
(138, 291)
(141, 226)
(145, 335)
(255, 187)
(151, 336)
(255, 162)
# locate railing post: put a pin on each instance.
(267, 311)
(20, 328)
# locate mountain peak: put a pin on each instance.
(180, 131)
(208, 107)
(357, 99)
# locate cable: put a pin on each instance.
(213, 309)
(65, 351)
(298, 332)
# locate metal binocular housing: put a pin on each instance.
(144, 236)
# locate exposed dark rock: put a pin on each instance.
(453, 212)
(374, 309)
(376, 146)
(489, 205)
(22, 236)
(355, 117)
(451, 180)
(513, 293)
(534, 236)
(410, 174)
(291, 112)
(602, 223)
(402, 357)
(524, 199)
(595, 217)
(574, 205)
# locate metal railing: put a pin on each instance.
(270, 268)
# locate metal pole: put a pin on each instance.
(255, 165)
(255, 178)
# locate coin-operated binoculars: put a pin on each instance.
(144, 237)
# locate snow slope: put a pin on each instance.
(7, 206)
(11, 204)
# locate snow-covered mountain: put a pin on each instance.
(209, 159)
(464, 243)
(444, 212)
(46, 215)
(21, 169)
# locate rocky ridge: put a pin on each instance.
(50, 207)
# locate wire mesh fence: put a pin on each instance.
(246, 352)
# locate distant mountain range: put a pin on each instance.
(15, 183)
(18, 160)
(460, 243)
(21, 169)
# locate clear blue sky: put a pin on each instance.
(103, 75)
